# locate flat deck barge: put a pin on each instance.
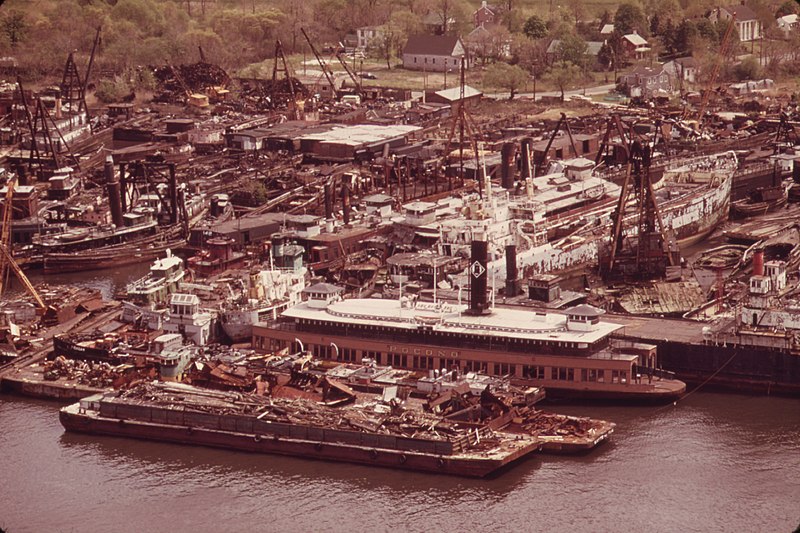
(404, 439)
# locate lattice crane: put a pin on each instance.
(724, 48)
(7, 262)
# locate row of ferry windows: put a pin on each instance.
(445, 334)
(422, 362)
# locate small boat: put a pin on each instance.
(761, 201)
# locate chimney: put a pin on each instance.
(758, 262)
(478, 275)
(527, 148)
(512, 275)
(345, 199)
(507, 165)
(329, 200)
(114, 198)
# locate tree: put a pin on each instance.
(788, 8)
(574, 50)
(510, 77)
(748, 69)
(577, 9)
(535, 28)
(682, 40)
(14, 26)
(630, 18)
(564, 75)
(528, 54)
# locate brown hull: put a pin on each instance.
(406, 460)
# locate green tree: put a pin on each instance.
(14, 26)
(535, 28)
(748, 69)
(630, 18)
(574, 50)
(511, 77)
(788, 8)
(565, 75)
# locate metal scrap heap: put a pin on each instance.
(195, 77)
(363, 418)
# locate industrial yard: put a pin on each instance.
(450, 241)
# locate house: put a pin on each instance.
(635, 46)
(553, 52)
(484, 43)
(452, 96)
(436, 24)
(486, 14)
(788, 23)
(747, 24)
(434, 53)
(644, 81)
(681, 70)
(367, 34)
(606, 30)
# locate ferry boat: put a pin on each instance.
(571, 354)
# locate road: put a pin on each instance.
(590, 91)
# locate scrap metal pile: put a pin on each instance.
(97, 374)
(553, 425)
(272, 94)
(366, 418)
(174, 82)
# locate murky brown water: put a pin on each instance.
(712, 463)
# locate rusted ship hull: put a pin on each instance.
(73, 419)
(105, 258)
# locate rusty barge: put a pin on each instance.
(364, 434)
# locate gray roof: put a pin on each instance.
(435, 45)
(323, 288)
(584, 310)
(742, 12)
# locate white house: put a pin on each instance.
(747, 23)
(681, 70)
(434, 53)
(367, 34)
(788, 23)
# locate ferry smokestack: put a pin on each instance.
(114, 198)
(512, 275)
(758, 262)
(478, 275)
(507, 166)
(173, 195)
(796, 171)
(329, 200)
(527, 149)
(346, 199)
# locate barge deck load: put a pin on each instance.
(403, 439)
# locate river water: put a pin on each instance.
(712, 462)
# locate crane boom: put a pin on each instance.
(323, 66)
(723, 52)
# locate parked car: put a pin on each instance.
(368, 76)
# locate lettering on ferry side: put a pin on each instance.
(420, 351)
